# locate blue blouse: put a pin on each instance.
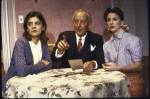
(22, 61)
(124, 49)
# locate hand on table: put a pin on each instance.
(110, 66)
(45, 62)
(62, 45)
(88, 66)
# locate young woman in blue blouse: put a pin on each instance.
(30, 53)
(123, 51)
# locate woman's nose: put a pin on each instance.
(33, 26)
(111, 22)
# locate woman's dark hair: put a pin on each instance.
(27, 36)
(114, 10)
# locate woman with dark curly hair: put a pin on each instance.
(30, 53)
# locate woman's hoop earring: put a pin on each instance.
(109, 30)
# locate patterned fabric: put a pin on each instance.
(64, 83)
(124, 49)
(79, 45)
(137, 84)
(22, 61)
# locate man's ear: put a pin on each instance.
(90, 25)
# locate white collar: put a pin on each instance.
(82, 38)
(34, 45)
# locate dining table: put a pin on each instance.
(66, 83)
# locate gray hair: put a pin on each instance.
(81, 10)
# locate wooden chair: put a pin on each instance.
(2, 70)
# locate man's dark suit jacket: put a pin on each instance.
(87, 53)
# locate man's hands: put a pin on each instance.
(110, 66)
(88, 66)
(62, 45)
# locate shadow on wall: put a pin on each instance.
(106, 35)
(51, 38)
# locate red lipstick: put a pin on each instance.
(112, 27)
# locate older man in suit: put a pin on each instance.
(79, 44)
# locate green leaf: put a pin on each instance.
(42, 92)
(68, 88)
(58, 95)
(45, 91)
(99, 86)
(53, 93)
(48, 94)
(29, 88)
(66, 85)
(71, 90)
(78, 92)
(67, 92)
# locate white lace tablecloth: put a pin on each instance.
(65, 83)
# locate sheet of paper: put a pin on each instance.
(76, 64)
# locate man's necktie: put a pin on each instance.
(80, 45)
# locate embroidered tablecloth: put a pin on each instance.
(65, 83)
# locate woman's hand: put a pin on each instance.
(45, 62)
(110, 66)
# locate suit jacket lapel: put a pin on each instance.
(86, 48)
(72, 42)
(29, 55)
(43, 49)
